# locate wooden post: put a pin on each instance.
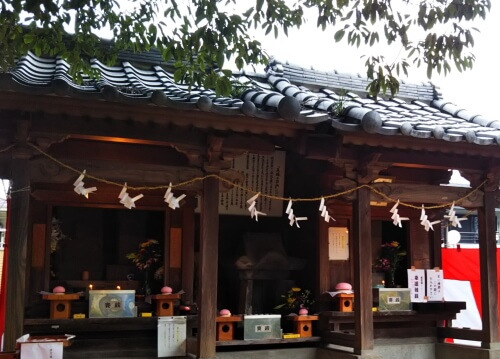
(323, 260)
(362, 253)
(208, 269)
(488, 269)
(166, 247)
(19, 221)
(188, 252)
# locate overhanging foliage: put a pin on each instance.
(200, 36)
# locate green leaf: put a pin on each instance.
(38, 49)
(259, 5)
(28, 38)
(339, 35)
(223, 86)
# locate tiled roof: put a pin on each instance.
(282, 92)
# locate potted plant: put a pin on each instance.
(391, 254)
(147, 260)
(295, 299)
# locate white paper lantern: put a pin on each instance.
(453, 237)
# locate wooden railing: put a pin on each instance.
(425, 320)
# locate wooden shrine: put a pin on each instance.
(165, 304)
(344, 302)
(225, 327)
(303, 324)
(60, 304)
(176, 152)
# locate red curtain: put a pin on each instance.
(3, 285)
(464, 265)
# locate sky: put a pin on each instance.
(473, 90)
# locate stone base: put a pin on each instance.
(414, 348)
(336, 354)
(456, 351)
(298, 353)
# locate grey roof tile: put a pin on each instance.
(285, 92)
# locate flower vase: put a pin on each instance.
(146, 284)
(389, 279)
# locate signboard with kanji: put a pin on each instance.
(435, 290)
(416, 283)
(338, 243)
(262, 173)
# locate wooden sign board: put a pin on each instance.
(262, 173)
(338, 243)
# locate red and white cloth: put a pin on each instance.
(462, 283)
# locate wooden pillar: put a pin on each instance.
(488, 269)
(362, 253)
(420, 245)
(208, 269)
(436, 256)
(166, 247)
(188, 218)
(19, 222)
(323, 260)
(435, 236)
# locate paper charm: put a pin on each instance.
(297, 219)
(126, 200)
(173, 202)
(452, 217)
(396, 218)
(168, 194)
(292, 219)
(80, 186)
(254, 213)
(289, 211)
(424, 220)
(324, 211)
(321, 204)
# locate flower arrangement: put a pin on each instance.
(147, 256)
(296, 298)
(391, 254)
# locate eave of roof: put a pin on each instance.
(284, 92)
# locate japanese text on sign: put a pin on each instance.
(435, 290)
(338, 243)
(262, 173)
(416, 283)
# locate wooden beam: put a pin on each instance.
(208, 268)
(112, 149)
(362, 252)
(415, 193)
(339, 338)
(459, 333)
(18, 242)
(420, 145)
(147, 113)
(44, 170)
(488, 270)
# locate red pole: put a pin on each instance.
(3, 283)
